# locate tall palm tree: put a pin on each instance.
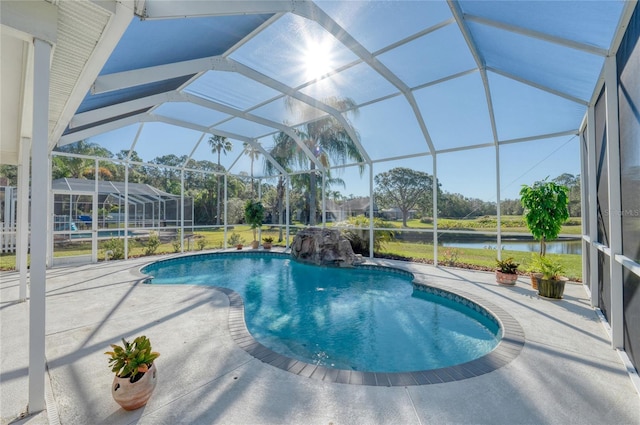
(219, 144)
(328, 139)
(253, 153)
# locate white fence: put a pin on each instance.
(8, 207)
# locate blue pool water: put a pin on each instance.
(359, 319)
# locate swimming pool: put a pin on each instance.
(361, 319)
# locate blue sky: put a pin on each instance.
(524, 76)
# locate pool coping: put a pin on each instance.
(506, 351)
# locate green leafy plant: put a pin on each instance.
(507, 266)
(152, 244)
(254, 215)
(201, 242)
(116, 246)
(133, 359)
(267, 239)
(235, 239)
(548, 267)
(545, 206)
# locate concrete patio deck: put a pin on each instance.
(566, 373)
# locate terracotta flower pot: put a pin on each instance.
(255, 244)
(506, 278)
(535, 278)
(239, 246)
(266, 245)
(132, 396)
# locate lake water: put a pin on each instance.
(555, 247)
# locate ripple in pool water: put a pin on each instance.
(359, 319)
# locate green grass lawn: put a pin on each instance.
(514, 224)
(477, 258)
(214, 239)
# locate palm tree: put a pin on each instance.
(219, 144)
(253, 152)
(328, 139)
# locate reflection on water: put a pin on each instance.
(555, 247)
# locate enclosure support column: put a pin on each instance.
(95, 216)
(22, 222)
(324, 204)
(287, 210)
(434, 183)
(584, 204)
(181, 211)
(499, 229)
(226, 222)
(39, 199)
(615, 203)
(126, 210)
(371, 233)
(592, 204)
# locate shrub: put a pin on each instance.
(450, 256)
(201, 242)
(235, 239)
(152, 243)
(116, 246)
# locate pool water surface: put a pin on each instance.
(356, 319)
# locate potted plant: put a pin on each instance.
(236, 240)
(136, 373)
(254, 216)
(550, 281)
(506, 271)
(267, 242)
(545, 210)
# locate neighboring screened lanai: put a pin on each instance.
(315, 100)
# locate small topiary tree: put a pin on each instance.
(254, 215)
(545, 206)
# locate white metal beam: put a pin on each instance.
(103, 128)
(123, 108)
(538, 86)
(565, 42)
(250, 117)
(191, 8)
(312, 12)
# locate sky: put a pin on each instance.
(448, 90)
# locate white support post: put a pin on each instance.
(126, 209)
(435, 210)
(498, 200)
(584, 172)
(181, 210)
(226, 221)
(592, 203)
(287, 210)
(324, 203)
(371, 232)
(22, 227)
(39, 199)
(95, 214)
(615, 203)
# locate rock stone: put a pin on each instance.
(323, 247)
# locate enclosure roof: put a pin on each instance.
(75, 186)
(451, 75)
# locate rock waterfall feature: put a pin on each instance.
(323, 247)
